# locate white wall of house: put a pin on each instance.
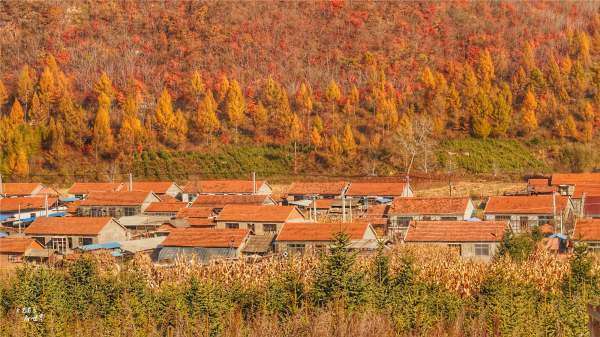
(149, 199)
(174, 191)
(477, 250)
(257, 227)
(522, 222)
(112, 232)
(24, 214)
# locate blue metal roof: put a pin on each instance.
(3, 235)
(57, 214)
(68, 199)
(116, 254)
(96, 246)
(31, 219)
(3, 217)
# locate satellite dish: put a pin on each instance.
(285, 254)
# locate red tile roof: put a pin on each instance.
(256, 213)
(222, 186)
(324, 203)
(455, 231)
(218, 201)
(67, 226)
(115, 198)
(442, 205)
(321, 188)
(159, 187)
(587, 230)
(195, 212)
(201, 222)
(378, 211)
(206, 237)
(592, 206)
(587, 189)
(13, 204)
(18, 245)
(575, 179)
(537, 204)
(85, 188)
(20, 188)
(540, 185)
(321, 231)
(164, 207)
(373, 189)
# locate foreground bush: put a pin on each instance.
(408, 291)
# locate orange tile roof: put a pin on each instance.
(540, 185)
(13, 204)
(222, 186)
(256, 213)
(72, 207)
(67, 226)
(587, 189)
(201, 222)
(20, 188)
(537, 204)
(205, 237)
(171, 207)
(166, 227)
(324, 203)
(377, 211)
(18, 245)
(376, 189)
(321, 188)
(455, 231)
(575, 178)
(218, 201)
(115, 198)
(442, 205)
(85, 188)
(195, 212)
(587, 230)
(159, 187)
(321, 231)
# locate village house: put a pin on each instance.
(310, 237)
(588, 231)
(165, 208)
(21, 211)
(116, 204)
(203, 244)
(316, 190)
(160, 188)
(217, 202)
(196, 216)
(10, 190)
(478, 239)
(81, 190)
(225, 187)
(578, 186)
(13, 250)
(536, 186)
(405, 210)
(259, 220)
(66, 234)
(379, 190)
(526, 212)
(591, 206)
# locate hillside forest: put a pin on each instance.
(338, 82)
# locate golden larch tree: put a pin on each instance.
(17, 116)
(25, 84)
(235, 106)
(528, 110)
(348, 142)
(102, 136)
(165, 118)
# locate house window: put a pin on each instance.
(130, 211)
(449, 218)
(232, 225)
(401, 221)
(545, 219)
(14, 258)
(40, 239)
(456, 247)
(96, 212)
(270, 228)
(252, 228)
(320, 248)
(85, 241)
(524, 223)
(482, 249)
(112, 212)
(296, 248)
(502, 217)
(426, 218)
(32, 215)
(59, 244)
(594, 247)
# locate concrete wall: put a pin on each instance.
(258, 226)
(119, 210)
(112, 232)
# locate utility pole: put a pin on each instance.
(46, 204)
(130, 182)
(253, 182)
(295, 161)
(350, 209)
(1, 186)
(343, 208)
(19, 218)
